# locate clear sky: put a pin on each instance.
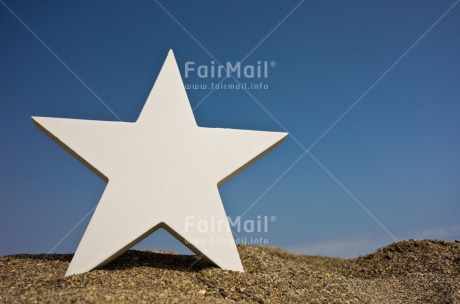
(387, 168)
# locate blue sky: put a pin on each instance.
(387, 169)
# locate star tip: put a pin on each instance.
(283, 135)
(38, 119)
(41, 121)
(170, 53)
(240, 269)
(71, 271)
(170, 57)
(35, 118)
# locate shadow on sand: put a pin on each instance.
(137, 258)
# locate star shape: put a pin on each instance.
(162, 171)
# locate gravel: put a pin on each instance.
(414, 271)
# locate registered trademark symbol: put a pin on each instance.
(273, 218)
(273, 64)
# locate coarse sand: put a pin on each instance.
(414, 271)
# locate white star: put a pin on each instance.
(162, 171)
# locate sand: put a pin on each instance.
(414, 271)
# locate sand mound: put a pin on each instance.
(403, 272)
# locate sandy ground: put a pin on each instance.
(422, 271)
